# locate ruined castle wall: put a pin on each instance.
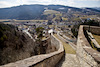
(93, 29)
(87, 56)
(44, 60)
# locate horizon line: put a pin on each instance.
(44, 5)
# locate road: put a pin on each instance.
(69, 41)
(26, 31)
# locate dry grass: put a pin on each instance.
(25, 20)
(58, 14)
(67, 47)
(63, 18)
(51, 26)
(56, 29)
(44, 38)
(4, 20)
(46, 12)
(97, 38)
(30, 20)
(76, 19)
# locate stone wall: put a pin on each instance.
(93, 29)
(44, 60)
(87, 56)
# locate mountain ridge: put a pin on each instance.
(28, 12)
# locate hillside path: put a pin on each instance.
(69, 59)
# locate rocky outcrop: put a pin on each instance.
(14, 44)
(43, 60)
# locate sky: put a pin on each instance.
(73, 3)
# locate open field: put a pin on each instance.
(63, 18)
(9, 20)
(46, 12)
(51, 26)
(32, 20)
(44, 38)
(4, 20)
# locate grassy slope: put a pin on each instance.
(46, 12)
(67, 47)
(97, 37)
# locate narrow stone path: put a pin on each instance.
(69, 60)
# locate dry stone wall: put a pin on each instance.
(87, 56)
(93, 29)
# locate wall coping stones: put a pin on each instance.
(86, 46)
(93, 53)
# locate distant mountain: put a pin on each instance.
(93, 9)
(22, 12)
(97, 8)
(28, 12)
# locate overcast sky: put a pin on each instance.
(74, 3)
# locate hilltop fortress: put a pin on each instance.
(85, 54)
